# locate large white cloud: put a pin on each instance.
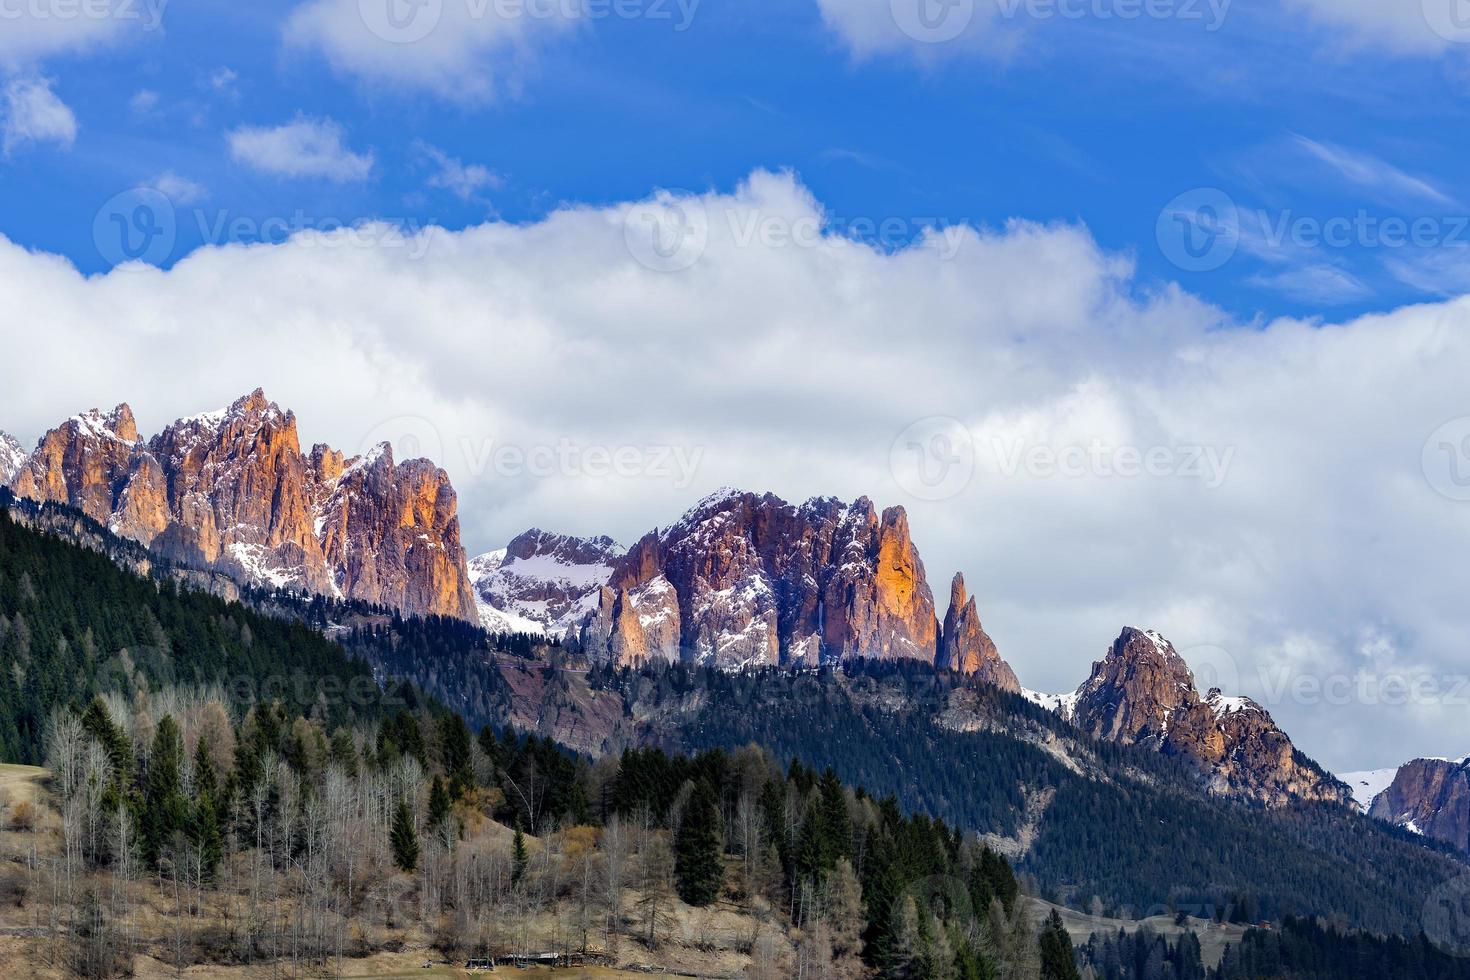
(1302, 535)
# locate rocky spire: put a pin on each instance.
(964, 645)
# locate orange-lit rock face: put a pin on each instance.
(391, 535)
(232, 490)
(749, 579)
(83, 462)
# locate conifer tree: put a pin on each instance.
(1057, 960)
(698, 851)
(438, 804)
(163, 811)
(204, 833)
(404, 838)
(519, 857)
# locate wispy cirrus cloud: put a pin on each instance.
(1411, 27)
(1379, 177)
(1319, 283)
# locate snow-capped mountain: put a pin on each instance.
(231, 490)
(12, 458)
(542, 583)
(1368, 785)
(1143, 693)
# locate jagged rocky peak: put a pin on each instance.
(543, 582)
(1135, 689)
(232, 490)
(1143, 692)
(1429, 797)
(964, 645)
(748, 579)
(82, 462)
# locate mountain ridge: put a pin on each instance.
(233, 490)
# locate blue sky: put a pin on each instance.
(1090, 119)
(1082, 241)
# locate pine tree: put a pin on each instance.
(163, 811)
(438, 804)
(204, 833)
(404, 839)
(206, 781)
(1057, 960)
(698, 851)
(519, 858)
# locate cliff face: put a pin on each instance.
(965, 647)
(1430, 797)
(748, 579)
(231, 490)
(1143, 693)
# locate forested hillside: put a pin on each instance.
(74, 624)
(1117, 823)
